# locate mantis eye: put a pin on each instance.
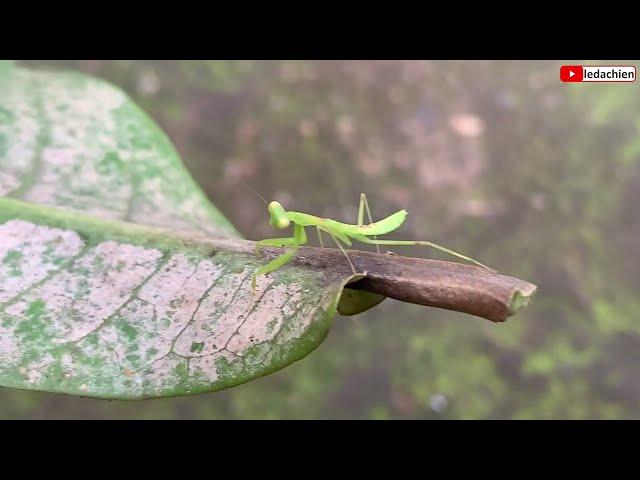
(283, 222)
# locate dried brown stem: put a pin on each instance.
(433, 283)
(453, 286)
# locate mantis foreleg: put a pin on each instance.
(275, 242)
(299, 238)
(283, 242)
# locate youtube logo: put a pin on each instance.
(598, 73)
(571, 73)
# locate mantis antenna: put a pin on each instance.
(259, 196)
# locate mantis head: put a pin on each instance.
(278, 215)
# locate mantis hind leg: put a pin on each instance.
(299, 238)
(273, 265)
(364, 205)
(364, 239)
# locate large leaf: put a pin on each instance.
(76, 142)
(117, 310)
(93, 306)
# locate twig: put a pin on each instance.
(453, 286)
(433, 283)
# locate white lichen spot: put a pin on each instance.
(97, 156)
(151, 380)
(206, 367)
(36, 369)
(220, 314)
(113, 270)
(8, 183)
(68, 365)
(176, 292)
(21, 137)
(9, 348)
(263, 323)
(99, 283)
(29, 252)
(34, 376)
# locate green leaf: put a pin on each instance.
(94, 304)
(116, 310)
(5, 67)
(73, 141)
(353, 302)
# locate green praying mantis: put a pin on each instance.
(341, 233)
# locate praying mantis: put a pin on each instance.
(341, 233)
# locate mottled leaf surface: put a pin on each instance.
(117, 310)
(73, 141)
(94, 306)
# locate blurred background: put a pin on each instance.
(495, 159)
